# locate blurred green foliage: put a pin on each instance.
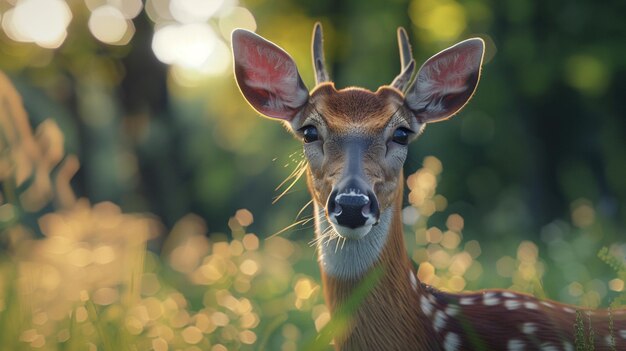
(534, 166)
(543, 131)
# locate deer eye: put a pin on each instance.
(401, 136)
(309, 134)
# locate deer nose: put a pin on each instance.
(352, 207)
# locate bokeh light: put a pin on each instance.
(236, 17)
(184, 36)
(191, 11)
(108, 24)
(440, 20)
(616, 284)
(158, 10)
(188, 45)
(163, 129)
(43, 22)
(587, 74)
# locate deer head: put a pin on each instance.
(355, 140)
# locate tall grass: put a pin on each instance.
(76, 275)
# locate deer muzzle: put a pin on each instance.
(352, 208)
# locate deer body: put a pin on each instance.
(355, 144)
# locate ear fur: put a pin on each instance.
(267, 76)
(446, 81)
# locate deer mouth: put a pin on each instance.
(351, 233)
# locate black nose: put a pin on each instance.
(352, 206)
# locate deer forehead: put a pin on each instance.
(356, 108)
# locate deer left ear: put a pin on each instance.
(447, 81)
(267, 76)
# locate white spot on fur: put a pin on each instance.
(426, 306)
(609, 340)
(509, 295)
(451, 342)
(515, 345)
(413, 280)
(568, 310)
(466, 301)
(529, 328)
(567, 346)
(512, 304)
(530, 305)
(439, 321)
(490, 299)
(622, 333)
(547, 304)
(452, 310)
(548, 347)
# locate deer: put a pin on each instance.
(355, 142)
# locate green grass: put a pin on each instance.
(90, 283)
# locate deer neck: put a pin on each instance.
(389, 317)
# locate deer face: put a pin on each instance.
(355, 140)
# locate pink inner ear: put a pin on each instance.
(448, 74)
(446, 81)
(267, 76)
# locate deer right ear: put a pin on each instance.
(267, 76)
(447, 81)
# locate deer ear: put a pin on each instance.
(447, 81)
(267, 76)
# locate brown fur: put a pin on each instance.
(342, 108)
(390, 318)
(361, 113)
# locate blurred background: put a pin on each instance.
(137, 185)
